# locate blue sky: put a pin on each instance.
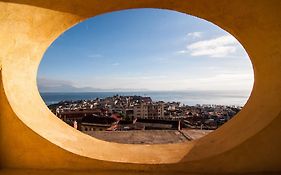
(148, 49)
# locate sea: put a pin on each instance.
(237, 98)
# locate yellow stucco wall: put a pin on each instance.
(31, 137)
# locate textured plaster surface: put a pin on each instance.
(31, 137)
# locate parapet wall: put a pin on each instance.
(31, 137)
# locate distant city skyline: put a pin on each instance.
(145, 49)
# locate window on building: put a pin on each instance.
(172, 72)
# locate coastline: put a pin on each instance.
(230, 97)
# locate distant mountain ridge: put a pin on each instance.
(46, 85)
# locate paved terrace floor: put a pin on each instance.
(148, 136)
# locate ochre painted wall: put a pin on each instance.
(33, 140)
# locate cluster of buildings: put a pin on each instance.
(140, 113)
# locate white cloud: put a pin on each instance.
(195, 34)
(142, 77)
(232, 80)
(181, 52)
(219, 47)
(223, 81)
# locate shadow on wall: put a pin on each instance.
(247, 144)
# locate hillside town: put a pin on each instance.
(129, 113)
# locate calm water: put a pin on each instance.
(185, 97)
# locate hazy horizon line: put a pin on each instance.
(199, 90)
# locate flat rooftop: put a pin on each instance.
(149, 136)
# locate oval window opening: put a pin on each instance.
(145, 76)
